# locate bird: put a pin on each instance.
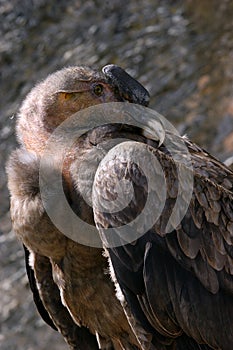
(71, 288)
(164, 282)
(173, 273)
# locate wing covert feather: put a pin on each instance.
(186, 271)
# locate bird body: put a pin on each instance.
(172, 278)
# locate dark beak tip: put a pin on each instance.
(130, 89)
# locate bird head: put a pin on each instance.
(55, 99)
(68, 91)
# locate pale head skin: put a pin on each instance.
(59, 96)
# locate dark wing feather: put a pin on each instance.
(48, 302)
(77, 337)
(36, 296)
(182, 283)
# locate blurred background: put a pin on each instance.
(182, 51)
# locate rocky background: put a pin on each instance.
(182, 51)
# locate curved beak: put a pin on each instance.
(129, 88)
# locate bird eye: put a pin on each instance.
(98, 89)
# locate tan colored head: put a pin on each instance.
(60, 95)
